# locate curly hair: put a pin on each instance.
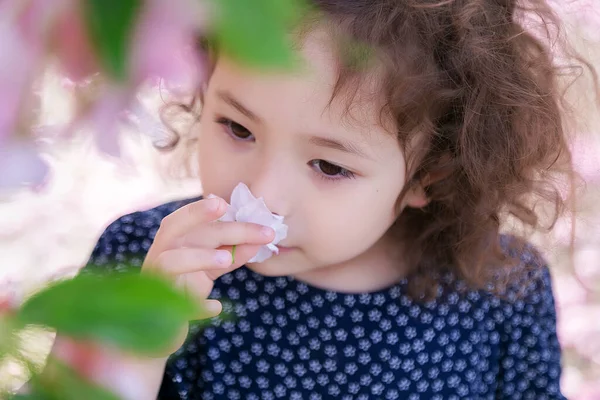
(483, 93)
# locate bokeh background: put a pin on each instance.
(50, 233)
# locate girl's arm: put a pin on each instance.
(106, 367)
(129, 377)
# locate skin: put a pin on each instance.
(334, 176)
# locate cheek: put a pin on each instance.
(350, 226)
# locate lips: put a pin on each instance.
(284, 249)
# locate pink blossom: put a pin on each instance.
(164, 44)
(32, 19)
(73, 47)
(245, 207)
(16, 72)
(54, 26)
(10, 297)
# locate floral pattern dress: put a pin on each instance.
(284, 339)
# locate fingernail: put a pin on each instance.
(223, 257)
(212, 307)
(267, 232)
(213, 203)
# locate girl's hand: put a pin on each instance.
(193, 248)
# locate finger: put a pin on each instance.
(199, 283)
(182, 220)
(210, 308)
(217, 234)
(198, 286)
(185, 260)
(243, 253)
(191, 215)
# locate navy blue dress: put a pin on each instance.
(288, 340)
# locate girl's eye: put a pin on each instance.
(236, 130)
(328, 168)
(330, 171)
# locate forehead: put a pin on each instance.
(305, 94)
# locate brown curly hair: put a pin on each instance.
(484, 96)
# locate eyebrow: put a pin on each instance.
(229, 99)
(340, 145)
(344, 146)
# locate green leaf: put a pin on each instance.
(64, 384)
(8, 339)
(257, 32)
(138, 312)
(34, 395)
(69, 385)
(27, 396)
(110, 24)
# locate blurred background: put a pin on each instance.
(51, 232)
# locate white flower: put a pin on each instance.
(247, 208)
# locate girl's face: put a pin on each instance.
(335, 177)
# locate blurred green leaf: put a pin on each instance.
(137, 312)
(28, 396)
(8, 336)
(32, 396)
(257, 32)
(64, 384)
(110, 24)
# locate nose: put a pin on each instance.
(269, 182)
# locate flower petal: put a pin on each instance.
(263, 254)
(256, 212)
(251, 209)
(229, 214)
(273, 248)
(241, 196)
(281, 231)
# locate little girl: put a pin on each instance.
(394, 172)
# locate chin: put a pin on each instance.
(268, 268)
(278, 265)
